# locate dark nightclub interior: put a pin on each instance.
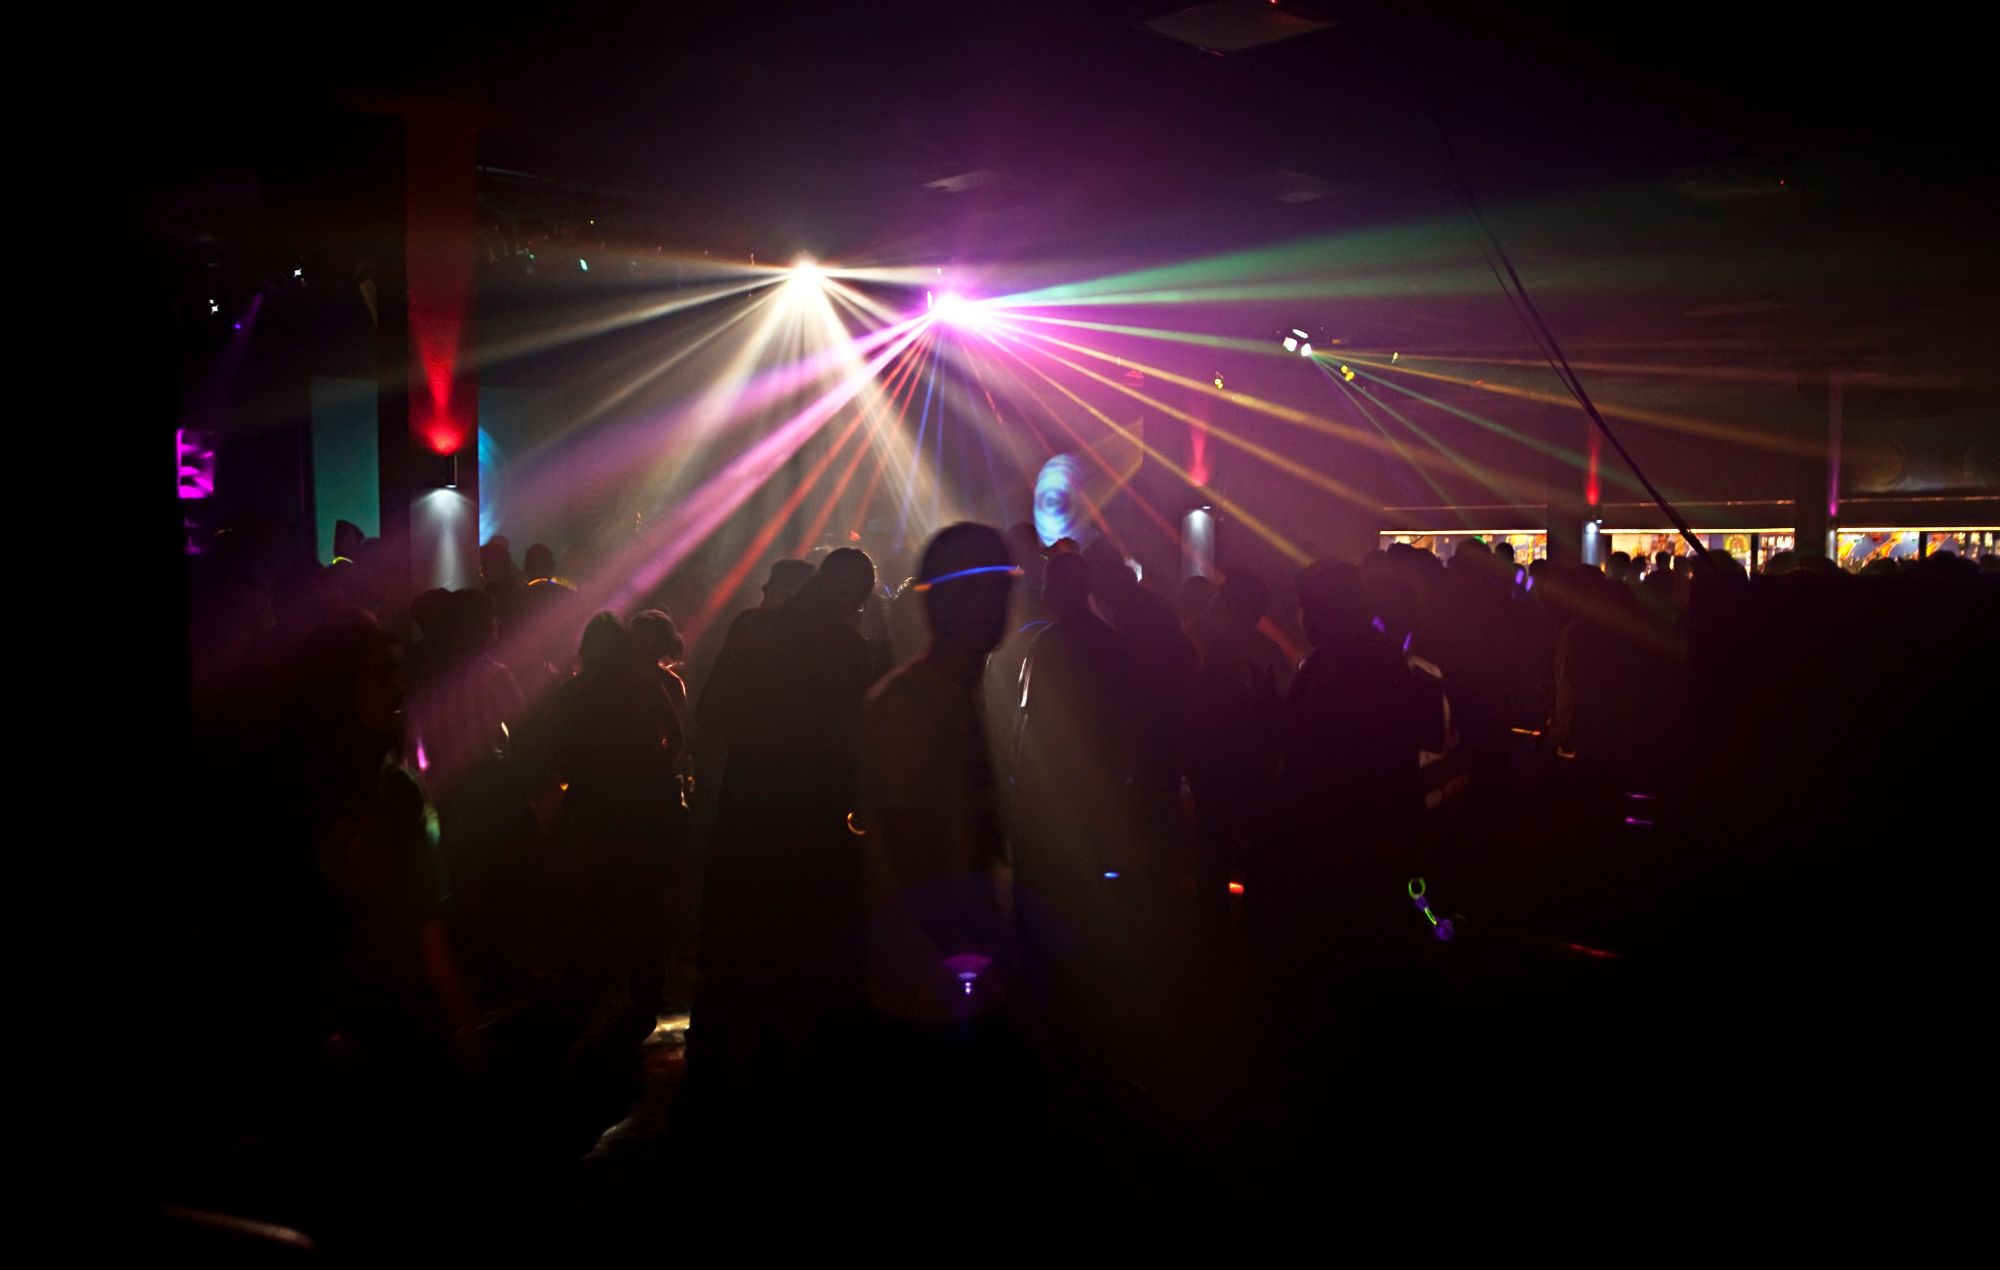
(1054, 626)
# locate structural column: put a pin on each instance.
(428, 401)
(1573, 504)
(1818, 492)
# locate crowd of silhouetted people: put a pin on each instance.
(924, 859)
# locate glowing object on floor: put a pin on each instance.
(967, 967)
(1443, 927)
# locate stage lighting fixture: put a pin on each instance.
(443, 470)
(213, 307)
(1218, 379)
(806, 269)
(298, 273)
(1305, 350)
(1347, 373)
(1291, 344)
(583, 264)
(955, 310)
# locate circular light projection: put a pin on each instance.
(1057, 499)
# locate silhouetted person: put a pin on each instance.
(541, 641)
(366, 899)
(1078, 742)
(938, 936)
(501, 579)
(539, 565)
(1617, 675)
(1026, 618)
(660, 639)
(907, 631)
(614, 743)
(780, 894)
(1196, 599)
(1355, 722)
(1162, 657)
(1235, 727)
(784, 581)
(1619, 567)
(347, 540)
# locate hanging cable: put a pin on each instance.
(1545, 339)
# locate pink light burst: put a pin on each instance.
(953, 309)
(196, 460)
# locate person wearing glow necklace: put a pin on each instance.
(940, 956)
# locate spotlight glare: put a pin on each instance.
(955, 309)
(1291, 344)
(1305, 350)
(583, 264)
(805, 269)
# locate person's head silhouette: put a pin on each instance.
(539, 563)
(496, 562)
(850, 574)
(784, 581)
(1329, 600)
(966, 578)
(1243, 599)
(658, 637)
(347, 539)
(607, 649)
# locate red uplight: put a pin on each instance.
(1597, 954)
(444, 437)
